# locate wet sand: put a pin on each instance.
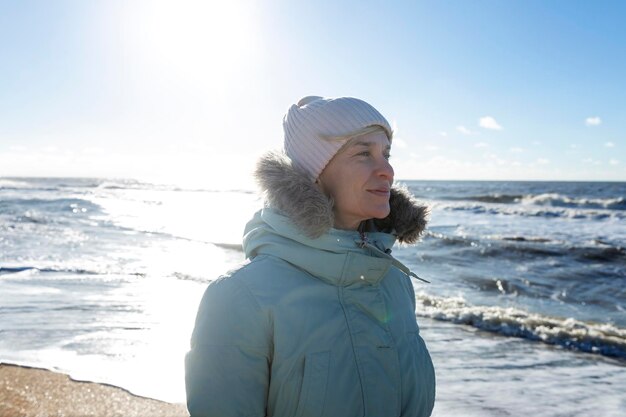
(26, 392)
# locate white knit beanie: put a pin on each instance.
(309, 123)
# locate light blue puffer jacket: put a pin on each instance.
(310, 327)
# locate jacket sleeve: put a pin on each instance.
(227, 369)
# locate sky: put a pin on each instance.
(193, 92)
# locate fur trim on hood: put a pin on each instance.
(293, 193)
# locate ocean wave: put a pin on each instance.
(129, 184)
(46, 184)
(558, 200)
(67, 204)
(596, 253)
(32, 217)
(495, 198)
(530, 211)
(545, 199)
(603, 339)
(14, 184)
(43, 211)
(61, 184)
(504, 286)
(520, 247)
(526, 239)
(33, 270)
(81, 183)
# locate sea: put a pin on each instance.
(525, 312)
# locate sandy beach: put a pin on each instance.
(26, 392)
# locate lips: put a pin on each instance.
(381, 192)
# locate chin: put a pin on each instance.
(380, 213)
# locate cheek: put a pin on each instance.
(346, 194)
(346, 185)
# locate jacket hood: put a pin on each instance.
(292, 193)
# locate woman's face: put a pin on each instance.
(359, 179)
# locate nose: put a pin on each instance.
(385, 170)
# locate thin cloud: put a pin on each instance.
(609, 145)
(516, 150)
(543, 161)
(593, 121)
(481, 145)
(591, 161)
(489, 122)
(464, 130)
(444, 134)
(399, 143)
(495, 158)
(613, 161)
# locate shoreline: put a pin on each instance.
(29, 391)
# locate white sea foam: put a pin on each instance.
(605, 338)
(531, 210)
(7, 183)
(558, 200)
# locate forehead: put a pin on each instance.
(370, 139)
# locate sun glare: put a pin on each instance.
(202, 42)
(185, 68)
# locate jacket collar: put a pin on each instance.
(292, 193)
(337, 257)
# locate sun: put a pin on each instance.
(201, 43)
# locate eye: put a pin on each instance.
(387, 155)
(364, 153)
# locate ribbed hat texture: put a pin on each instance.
(310, 123)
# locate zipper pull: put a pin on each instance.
(364, 240)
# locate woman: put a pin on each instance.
(320, 320)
